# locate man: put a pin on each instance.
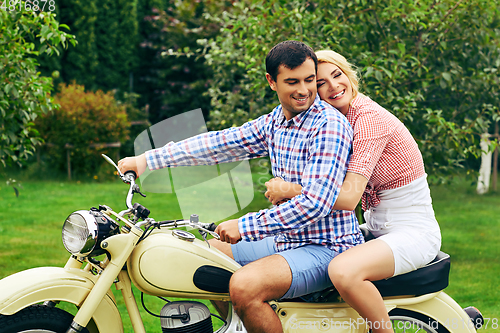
(284, 250)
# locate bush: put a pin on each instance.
(84, 123)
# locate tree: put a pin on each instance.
(116, 30)
(106, 55)
(24, 93)
(171, 85)
(434, 64)
(81, 63)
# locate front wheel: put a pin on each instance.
(37, 319)
(406, 321)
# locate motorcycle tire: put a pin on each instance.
(37, 319)
(409, 321)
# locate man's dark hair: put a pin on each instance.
(291, 54)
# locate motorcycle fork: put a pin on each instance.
(125, 286)
(119, 247)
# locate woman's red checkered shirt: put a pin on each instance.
(384, 151)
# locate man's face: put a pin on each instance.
(296, 88)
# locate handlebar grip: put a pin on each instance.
(211, 227)
(131, 173)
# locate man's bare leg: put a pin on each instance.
(253, 285)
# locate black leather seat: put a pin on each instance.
(431, 278)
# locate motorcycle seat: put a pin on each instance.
(431, 278)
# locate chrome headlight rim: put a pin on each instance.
(80, 233)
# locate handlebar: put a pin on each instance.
(129, 178)
(210, 226)
(206, 227)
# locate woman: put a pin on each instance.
(386, 172)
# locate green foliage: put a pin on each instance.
(171, 85)
(107, 34)
(81, 63)
(86, 121)
(434, 64)
(24, 93)
(116, 30)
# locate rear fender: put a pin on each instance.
(441, 308)
(71, 285)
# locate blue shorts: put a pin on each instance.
(308, 263)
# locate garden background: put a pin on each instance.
(83, 78)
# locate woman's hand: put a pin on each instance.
(279, 191)
(137, 164)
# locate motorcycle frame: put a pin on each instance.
(99, 313)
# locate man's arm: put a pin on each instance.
(229, 145)
(232, 144)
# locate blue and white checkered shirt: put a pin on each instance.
(311, 149)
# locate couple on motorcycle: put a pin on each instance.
(311, 238)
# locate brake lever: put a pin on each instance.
(202, 229)
(203, 234)
(136, 189)
(110, 161)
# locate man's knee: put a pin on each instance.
(262, 280)
(241, 288)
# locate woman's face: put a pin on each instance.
(334, 86)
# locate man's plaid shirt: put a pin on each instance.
(311, 149)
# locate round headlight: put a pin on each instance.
(80, 232)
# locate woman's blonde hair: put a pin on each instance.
(341, 62)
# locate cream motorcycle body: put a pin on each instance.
(168, 262)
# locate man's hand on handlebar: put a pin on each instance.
(229, 232)
(137, 164)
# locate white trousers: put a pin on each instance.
(405, 220)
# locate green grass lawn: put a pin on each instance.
(470, 226)
(30, 233)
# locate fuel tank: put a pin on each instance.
(174, 263)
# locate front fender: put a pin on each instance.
(71, 285)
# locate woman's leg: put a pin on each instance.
(351, 273)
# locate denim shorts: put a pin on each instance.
(308, 263)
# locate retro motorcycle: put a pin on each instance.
(163, 260)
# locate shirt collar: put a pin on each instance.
(298, 119)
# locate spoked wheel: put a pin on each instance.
(406, 321)
(37, 319)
